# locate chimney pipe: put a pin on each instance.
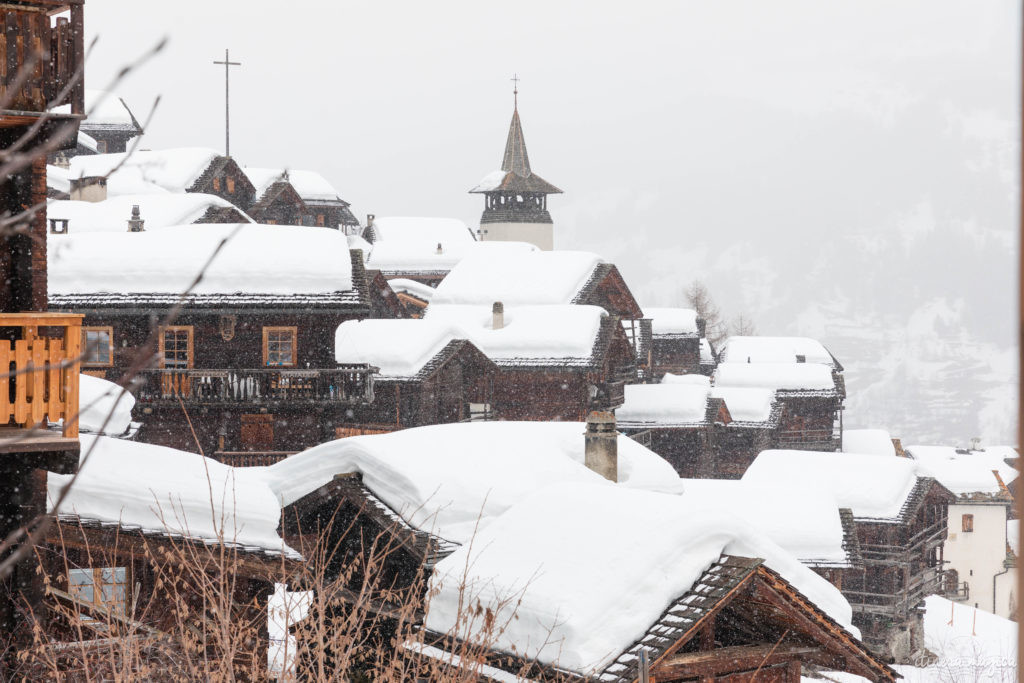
(497, 315)
(601, 452)
(135, 223)
(440, 249)
(369, 220)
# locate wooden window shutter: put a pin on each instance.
(257, 432)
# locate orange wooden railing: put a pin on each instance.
(39, 372)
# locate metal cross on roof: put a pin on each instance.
(515, 89)
(227, 111)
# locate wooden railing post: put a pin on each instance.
(73, 346)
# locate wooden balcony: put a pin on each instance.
(345, 384)
(43, 61)
(39, 360)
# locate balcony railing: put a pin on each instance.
(345, 384)
(39, 360)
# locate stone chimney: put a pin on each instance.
(497, 315)
(601, 452)
(440, 249)
(135, 223)
(89, 189)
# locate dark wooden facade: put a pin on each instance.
(224, 178)
(606, 288)
(737, 443)
(279, 204)
(811, 421)
(245, 373)
(690, 448)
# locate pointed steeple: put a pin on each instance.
(516, 160)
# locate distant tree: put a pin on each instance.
(742, 326)
(699, 299)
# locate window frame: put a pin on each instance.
(190, 346)
(291, 329)
(113, 605)
(109, 329)
(967, 523)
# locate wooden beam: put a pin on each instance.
(728, 660)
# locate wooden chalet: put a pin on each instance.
(177, 170)
(41, 95)
(424, 375)
(554, 362)
(675, 343)
(298, 197)
(239, 363)
(900, 540)
(755, 417)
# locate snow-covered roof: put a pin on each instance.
(698, 380)
(163, 490)
(777, 376)
(431, 231)
(875, 441)
(663, 405)
(400, 348)
(580, 554)
(105, 110)
(803, 521)
(520, 278)
(774, 350)
(254, 260)
(310, 185)
(672, 321)
(172, 170)
(417, 289)
(89, 142)
(58, 178)
(746, 404)
(445, 479)
(964, 471)
(423, 257)
(490, 182)
(103, 408)
(872, 486)
(537, 335)
(158, 210)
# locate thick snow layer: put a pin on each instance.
(416, 289)
(774, 350)
(357, 242)
(448, 478)
(967, 472)
(57, 178)
(874, 441)
(98, 399)
(778, 376)
(105, 109)
(693, 380)
(971, 645)
(169, 491)
(400, 348)
(515, 279)
(409, 229)
(805, 522)
(872, 486)
(257, 259)
(529, 332)
(573, 556)
(174, 170)
(746, 404)
(672, 320)
(423, 256)
(663, 404)
(309, 185)
(490, 181)
(88, 141)
(157, 210)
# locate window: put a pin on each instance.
(101, 146)
(967, 523)
(279, 345)
(231, 184)
(97, 346)
(320, 219)
(216, 184)
(176, 347)
(101, 586)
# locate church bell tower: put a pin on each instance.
(516, 198)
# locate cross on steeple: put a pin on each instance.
(515, 89)
(227, 111)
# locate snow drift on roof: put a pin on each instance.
(447, 231)
(582, 554)
(418, 256)
(663, 405)
(105, 110)
(88, 141)
(310, 185)
(256, 259)
(805, 522)
(874, 441)
(962, 473)
(174, 170)
(446, 478)
(490, 182)
(671, 320)
(778, 376)
(57, 178)
(158, 210)
(698, 380)
(555, 333)
(873, 486)
(774, 350)
(169, 491)
(746, 404)
(522, 278)
(400, 348)
(99, 400)
(417, 289)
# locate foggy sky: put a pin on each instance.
(795, 155)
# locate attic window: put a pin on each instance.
(967, 523)
(279, 346)
(104, 587)
(231, 184)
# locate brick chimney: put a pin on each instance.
(497, 315)
(601, 453)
